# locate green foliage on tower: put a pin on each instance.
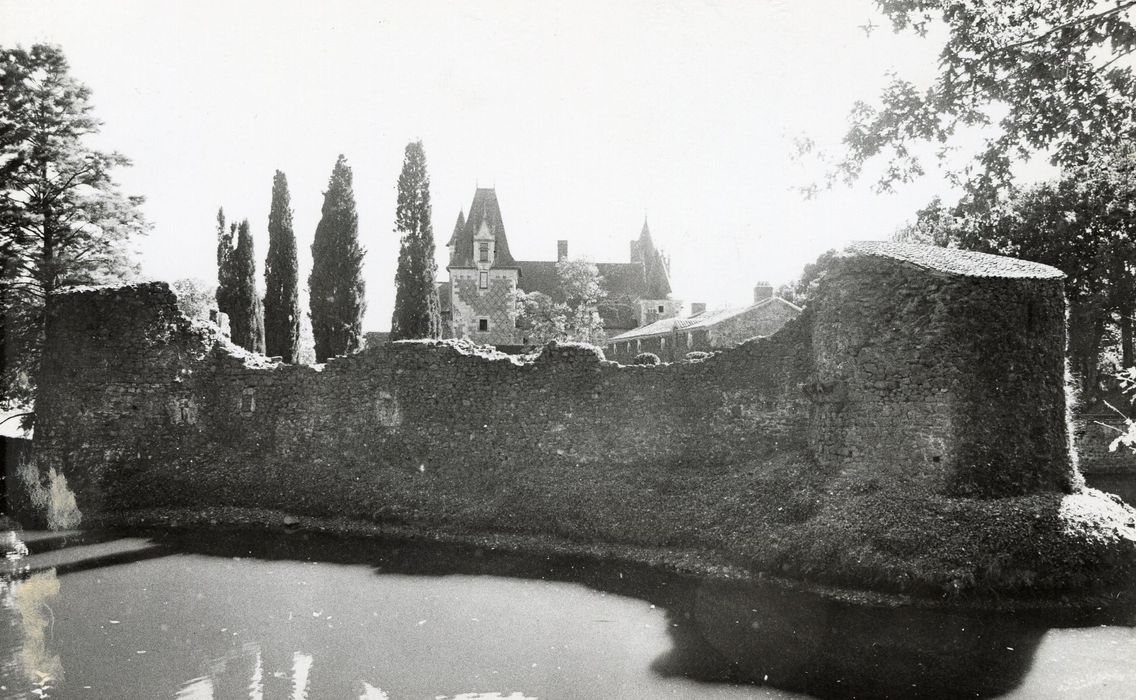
(336, 286)
(281, 277)
(417, 313)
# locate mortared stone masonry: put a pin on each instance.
(920, 368)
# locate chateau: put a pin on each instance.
(477, 301)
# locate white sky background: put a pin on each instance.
(585, 116)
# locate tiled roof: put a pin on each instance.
(483, 210)
(661, 327)
(953, 261)
(700, 322)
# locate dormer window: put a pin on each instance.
(483, 251)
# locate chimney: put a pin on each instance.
(762, 291)
(697, 307)
(561, 251)
(636, 257)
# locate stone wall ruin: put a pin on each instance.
(916, 368)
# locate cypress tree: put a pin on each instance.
(336, 288)
(225, 282)
(281, 277)
(244, 318)
(417, 313)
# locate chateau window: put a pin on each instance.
(483, 280)
(660, 308)
(483, 252)
(482, 324)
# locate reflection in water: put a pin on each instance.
(301, 665)
(257, 616)
(196, 689)
(31, 600)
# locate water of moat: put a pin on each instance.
(297, 615)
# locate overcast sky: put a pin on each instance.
(586, 117)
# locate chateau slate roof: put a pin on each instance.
(484, 209)
(619, 279)
(625, 280)
(953, 261)
(457, 228)
(657, 277)
(540, 276)
(700, 322)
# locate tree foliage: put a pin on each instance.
(63, 219)
(236, 284)
(1054, 69)
(577, 318)
(802, 290)
(246, 313)
(1084, 224)
(417, 312)
(195, 298)
(226, 281)
(281, 277)
(540, 319)
(336, 284)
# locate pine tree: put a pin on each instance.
(63, 219)
(281, 277)
(244, 316)
(417, 312)
(336, 288)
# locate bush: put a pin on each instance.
(697, 355)
(646, 358)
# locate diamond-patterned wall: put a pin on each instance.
(495, 304)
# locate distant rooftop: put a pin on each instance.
(697, 322)
(956, 262)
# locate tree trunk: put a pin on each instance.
(1086, 328)
(1126, 359)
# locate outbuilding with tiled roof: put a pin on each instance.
(671, 339)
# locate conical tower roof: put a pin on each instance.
(457, 228)
(484, 210)
(654, 267)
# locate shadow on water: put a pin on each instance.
(721, 632)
